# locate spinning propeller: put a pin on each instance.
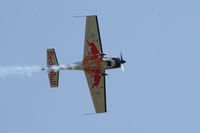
(122, 61)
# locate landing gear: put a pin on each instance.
(104, 74)
(102, 54)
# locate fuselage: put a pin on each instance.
(99, 63)
(90, 64)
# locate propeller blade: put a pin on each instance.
(122, 66)
(121, 56)
(121, 59)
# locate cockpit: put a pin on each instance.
(109, 63)
(112, 62)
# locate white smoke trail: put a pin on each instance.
(6, 71)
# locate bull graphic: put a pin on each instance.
(93, 52)
(96, 75)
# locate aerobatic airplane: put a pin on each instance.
(93, 64)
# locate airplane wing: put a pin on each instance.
(96, 82)
(92, 54)
(92, 37)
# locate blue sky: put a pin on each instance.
(158, 92)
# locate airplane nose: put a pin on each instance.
(123, 61)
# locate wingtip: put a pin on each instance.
(84, 16)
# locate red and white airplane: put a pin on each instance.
(93, 64)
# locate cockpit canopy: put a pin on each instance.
(112, 62)
(109, 63)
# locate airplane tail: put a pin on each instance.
(52, 62)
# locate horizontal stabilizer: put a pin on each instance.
(53, 78)
(51, 57)
(52, 61)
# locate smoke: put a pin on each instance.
(6, 71)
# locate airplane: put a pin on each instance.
(94, 64)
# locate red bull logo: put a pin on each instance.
(93, 63)
(53, 78)
(96, 75)
(51, 57)
(94, 52)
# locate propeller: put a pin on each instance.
(122, 61)
(122, 66)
